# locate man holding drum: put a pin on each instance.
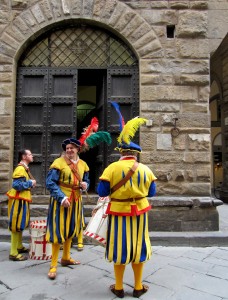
(128, 183)
(67, 178)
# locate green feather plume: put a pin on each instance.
(96, 138)
(130, 129)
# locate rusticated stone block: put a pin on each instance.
(22, 26)
(38, 14)
(5, 89)
(148, 142)
(46, 8)
(164, 173)
(116, 14)
(4, 185)
(4, 142)
(192, 24)
(192, 120)
(6, 50)
(88, 7)
(5, 122)
(5, 176)
(150, 79)
(19, 4)
(197, 189)
(179, 214)
(159, 4)
(132, 26)
(146, 39)
(4, 16)
(179, 142)
(179, 175)
(13, 32)
(167, 119)
(5, 59)
(194, 80)
(164, 141)
(174, 93)
(156, 17)
(166, 157)
(188, 48)
(204, 93)
(10, 41)
(194, 108)
(200, 142)
(190, 175)
(160, 107)
(178, 4)
(203, 157)
(147, 50)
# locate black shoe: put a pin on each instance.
(118, 293)
(17, 257)
(138, 293)
(23, 250)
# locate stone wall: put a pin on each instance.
(174, 76)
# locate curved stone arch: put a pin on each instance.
(35, 19)
(216, 138)
(110, 14)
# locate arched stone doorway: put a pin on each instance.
(65, 78)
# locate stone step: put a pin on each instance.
(44, 199)
(190, 239)
(169, 214)
(4, 220)
(177, 239)
(42, 210)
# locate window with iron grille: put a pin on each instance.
(80, 46)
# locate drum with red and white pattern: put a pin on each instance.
(39, 248)
(97, 226)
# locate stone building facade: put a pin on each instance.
(175, 43)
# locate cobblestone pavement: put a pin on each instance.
(172, 273)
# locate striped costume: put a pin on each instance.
(19, 197)
(127, 236)
(64, 223)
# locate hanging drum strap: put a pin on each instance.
(126, 178)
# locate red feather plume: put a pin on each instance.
(87, 131)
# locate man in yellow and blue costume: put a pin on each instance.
(67, 178)
(19, 199)
(127, 234)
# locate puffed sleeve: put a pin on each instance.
(52, 185)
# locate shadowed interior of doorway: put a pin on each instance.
(91, 103)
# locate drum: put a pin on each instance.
(97, 226)
(39, 248)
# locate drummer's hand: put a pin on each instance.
(94, 211)
(83, 185)
(33, 183)
(66, 203)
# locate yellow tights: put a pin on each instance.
(138, 272)
(15, 241)
(66, 249)
(55, 252)
(119, 273)
(80, 237)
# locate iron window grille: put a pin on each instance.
(78, 46)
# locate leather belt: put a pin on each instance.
(72, 186)
(126, 200)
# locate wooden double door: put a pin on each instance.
(47, 112)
